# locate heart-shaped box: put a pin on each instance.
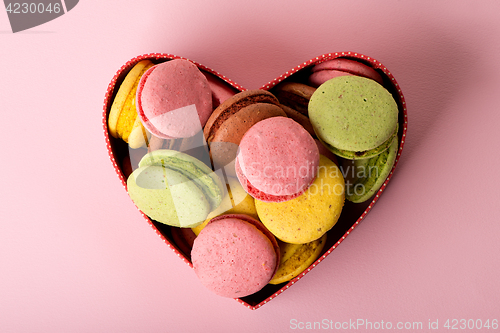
(352, 214)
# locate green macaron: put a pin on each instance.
(174, 188)
(364, 177)
(192, 168)
(354, 117)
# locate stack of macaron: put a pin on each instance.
(232, 119)
(250, 181)
(353, 116)
(123, 122)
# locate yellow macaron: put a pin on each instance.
(309, 216)
(295, 258)
(123, 121)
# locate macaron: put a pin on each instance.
(167, 196)
(365, 177)
(295, 95)
(277, 160)
(174, 188)
(329, 69)
(354, 117)
(231, 120)
(221, 90)
(309, 216)
(122, 120)
(318, 78)
(300, 118)
(235, 256)
(195, 170)
(174, 99)
(295, 258)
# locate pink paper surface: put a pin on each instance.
(77, 256)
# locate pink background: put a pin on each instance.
(76, 255)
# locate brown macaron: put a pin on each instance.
(230, 121)
(295, 95)
(300, 118)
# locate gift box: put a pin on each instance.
(124, 160)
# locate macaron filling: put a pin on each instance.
(355, 155)
(262, 196)
(233, 105)
(367, 175)
(348, 66)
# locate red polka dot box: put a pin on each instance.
(124, 159)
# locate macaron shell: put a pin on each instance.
(232, 105)
(174, 99)
(361, 155)
(278, 157)
(318, 78)
(295, 95)
(123, 121)
(221, 90)
(261, 227)
(300, 118)
(195, 170)
(295, 258)
(167, 196)
(233, 129)
(353, 113)
(224, 207)
(225, 141)
(242, 201)
(351, 66)
(123, 93)
(368, 175)
(233, 258)
(309, 216)
(139, 136)
(260, 195)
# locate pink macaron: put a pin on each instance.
(277, 160)
(329, 69)
(174, 99)
(221, 90)
(235, 255)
